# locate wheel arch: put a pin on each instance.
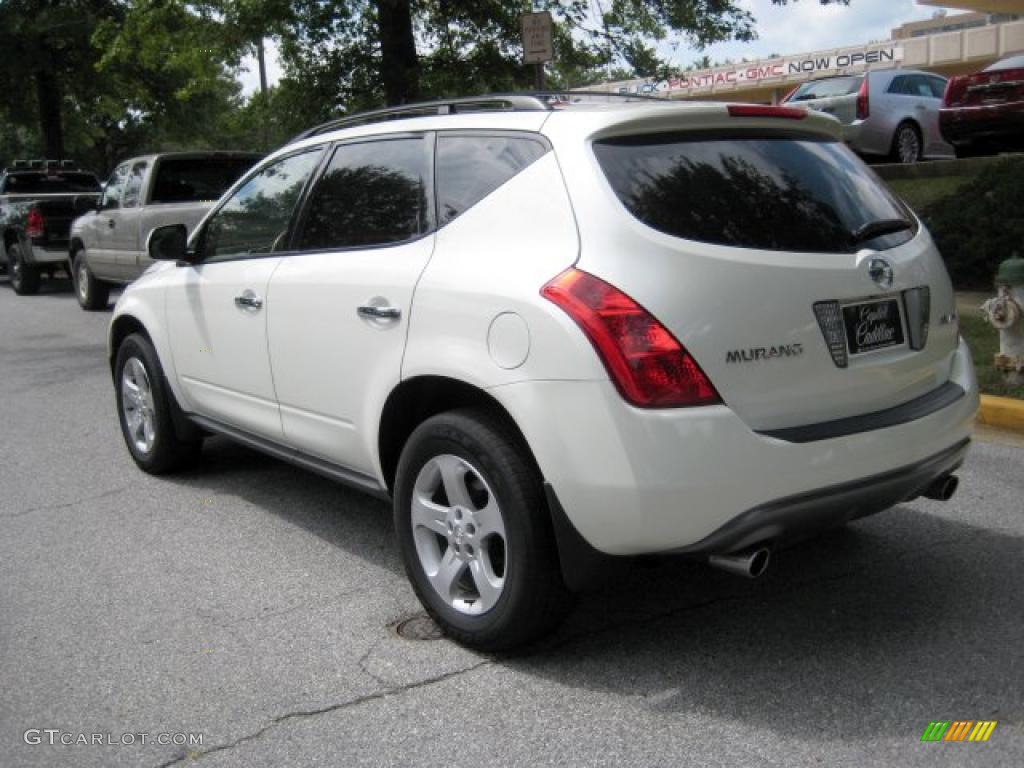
(123, 326)
(913, 123)
(11, 237)
(75, 246)
(416, 399)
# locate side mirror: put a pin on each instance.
(168, 243)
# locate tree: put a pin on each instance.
(368, 52)
(48, 61)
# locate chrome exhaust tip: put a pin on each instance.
(750, 564)
(943, 488)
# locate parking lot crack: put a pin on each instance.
(303, 714)
(65, 505)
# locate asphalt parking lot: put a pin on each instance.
(255, 604)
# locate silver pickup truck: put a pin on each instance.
(108, 245)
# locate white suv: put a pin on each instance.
(555, 333)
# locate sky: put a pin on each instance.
(799, 27)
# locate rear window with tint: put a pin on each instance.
(822, 89)
(195, 179)
(42, 184)
(770, 192)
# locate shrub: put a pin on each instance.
(981, 224)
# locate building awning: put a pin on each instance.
(981, 6)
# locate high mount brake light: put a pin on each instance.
(650, 368)
(762, 110)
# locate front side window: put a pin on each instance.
(471, 167)
(257, 217)
(771, 192)
(372, 193)
(115, 187)
(133, 187)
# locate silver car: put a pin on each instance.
(892, 113)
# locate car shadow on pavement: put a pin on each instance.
(869, 631)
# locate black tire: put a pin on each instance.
(907, 146)
(24, 276)
(168, 452)
(92, 294)
(534, 598)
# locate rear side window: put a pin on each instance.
(767, 192)
(822, 89)
(44, 184)
(372, 193)
(937, 86)
(471, 167)
(197, 179)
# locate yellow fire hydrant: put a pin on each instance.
(1005, 312)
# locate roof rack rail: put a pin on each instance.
(531, 101)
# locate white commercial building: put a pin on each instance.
(768, 80)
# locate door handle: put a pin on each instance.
(111, 223)
(379, 313)
(248, 300)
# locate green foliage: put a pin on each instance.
(100, 80)
(981, 224)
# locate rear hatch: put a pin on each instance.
(988, 88)
(836, 96)
(802, 287)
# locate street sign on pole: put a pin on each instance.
(536, 30)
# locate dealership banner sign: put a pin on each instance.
(751, 74)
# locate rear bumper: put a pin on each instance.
(962, 126)
(805, 514)
(49, 254)
(637, 481)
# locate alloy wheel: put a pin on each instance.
(137, 405)
(909, 146)
(83, 282)
(459, 534)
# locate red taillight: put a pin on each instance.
(34, 224)
(763, 110)
(650, 368)
(863, 106)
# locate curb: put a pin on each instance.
(1002, 412)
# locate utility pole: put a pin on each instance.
(261, 59)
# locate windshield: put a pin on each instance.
(823, 89)
(779, 193)
(39, 183)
